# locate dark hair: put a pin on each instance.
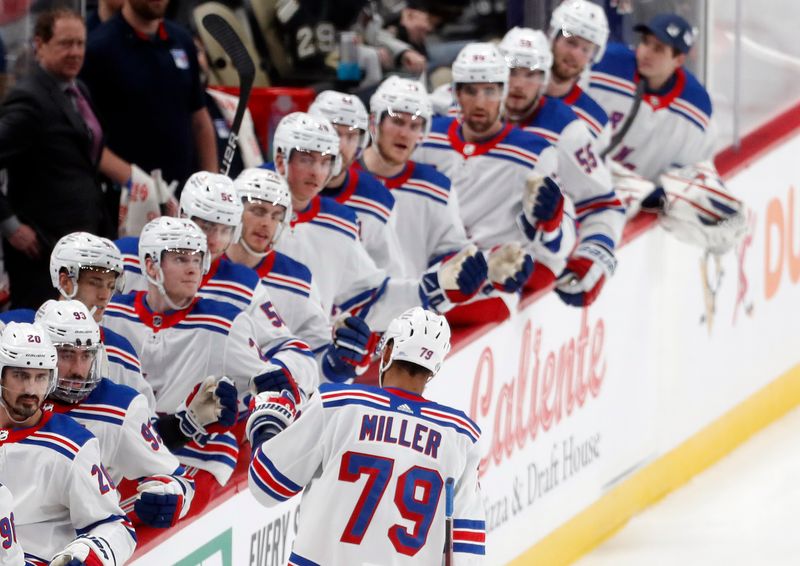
(412, 369)
(46, 21)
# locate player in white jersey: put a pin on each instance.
(180, 347)
(268, 209)
(578, 35)
(10, 549)
(357, 189)
(659, 111)
(52, 464)
(88, 268)
(501, 174)
(409, 448)
(324, 236)
(426, 218)
(117, 415)
(581, 173)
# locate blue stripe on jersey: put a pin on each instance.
(364, 298)
(526, 164)
(217, 293)
(436, 144)
(469, 548)
(49, 444)
(363, 311)
(606, 196)
(601, 239)
(205, 456)
(297, 560)
(469, 524)
(132, 269)
(122, 362)
(18, 315)
(366, 210)
(119, 314)
(294, 290)
(277, 475)
(688, 117)
(335, 228)
(265, 488)
(193, 325)
(610, 88)
(110, 519)
(421, 193)
(78, 414)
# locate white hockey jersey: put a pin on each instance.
(10, 549)
(594, 117)
(240, 286)
(118, 359)
(425, 220)
(119, 418)
(325, 238)
(61, 488)
(671, 129)
(407, 447)
(582, 174)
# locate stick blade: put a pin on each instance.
(232, 44)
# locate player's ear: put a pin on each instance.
(66, 284)
(150, 267)
(680, 60)
(280, 164)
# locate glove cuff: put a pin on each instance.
(599, 254)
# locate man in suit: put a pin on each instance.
(50, 143)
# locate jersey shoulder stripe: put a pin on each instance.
(693, 103)
(441, 125)
(17, 315)
(121, 306)
(61, 434)
(289, 274)
(590, 112)
(371, 197)
(338, 217)
(110, 394)
(129, 248)
(119, 350)
(618, 63)
(270, 480)
(551, 120)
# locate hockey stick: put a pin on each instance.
(448, 522)
(232, 44)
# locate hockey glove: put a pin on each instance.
(352, 347)
(509, 267)
(212, 406)
(274, 381)
(587, 271)
(542, 207)
(86, 550)
(163, 500)
(454, 281)
(270, 414)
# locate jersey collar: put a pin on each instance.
(157, 320)
(264, 266)
(532, 116)
(343, 193)
(308, 214)
(8, 435)
(572, 96)
(400, 179)
(211, 271)
(406, 394)
(658, 101)
(471, 149)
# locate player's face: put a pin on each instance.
(348, 143)
(308, 172)
(399, 135)
(219, 236)
(149, 9)
(24, 390)
(261, 221)
(74, 365)
(183, 272)
(523, 90)
(96, 287)
(655, 60)
(571, 55)
(62, 55)
(480, 105)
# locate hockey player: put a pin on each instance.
(660, 113)
(182, 339)
(11, 551)
(582, 173)
(268, 209)
(89, 269)
(118, 416)
(211, 202)
(409, 447)
(355, 188)
(324, 236)
(426, 218)
(578, 35)
(67, 508)
(501, 173)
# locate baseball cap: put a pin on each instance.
(670, 29)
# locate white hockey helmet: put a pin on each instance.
(480, 63)
(212, 197)
(69, 325)
(164, 234)
(529, 49)
(418, 336)
(345, 110)
(397, 94)
(82, 250)
(300, 131)
(581, 18)
(257, 184)
(700, 210)
(27, 346)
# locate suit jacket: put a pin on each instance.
(45, 146)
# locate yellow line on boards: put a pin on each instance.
(608, 514)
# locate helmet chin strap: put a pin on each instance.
(252, 252)
(69, 296)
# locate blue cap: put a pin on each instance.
(670, 29)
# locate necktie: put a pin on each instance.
(92, 124)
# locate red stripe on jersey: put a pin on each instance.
(360, 395)
(471, 536)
